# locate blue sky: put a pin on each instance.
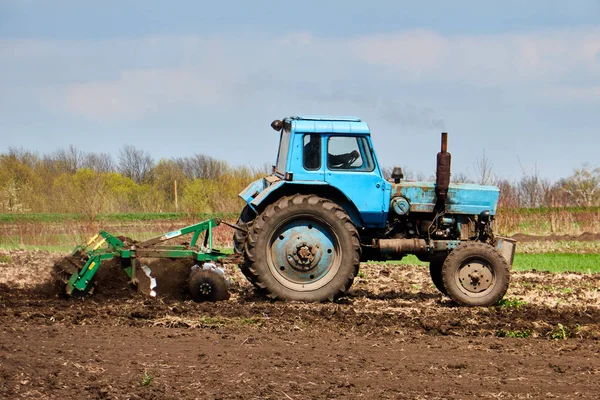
(518, 80)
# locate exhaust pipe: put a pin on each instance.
(401, 246)
(442, 172)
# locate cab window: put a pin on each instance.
(349, 153)
(312, 152)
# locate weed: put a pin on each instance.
(416, 287)
(513, 333)
(146, 379)
(560, 333)
(361, 275)
(567, 290)
(250, 321)
(514, 303)
(210, 322)
(5, 258)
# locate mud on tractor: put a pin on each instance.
(327, 206)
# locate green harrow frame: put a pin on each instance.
(103, 246)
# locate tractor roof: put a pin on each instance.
(329, 124)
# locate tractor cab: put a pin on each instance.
(333, 154)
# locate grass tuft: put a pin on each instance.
(511, 303)
(146, 379)
(513, 333)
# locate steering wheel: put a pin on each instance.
(348, 164)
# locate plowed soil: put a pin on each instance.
(394, 336)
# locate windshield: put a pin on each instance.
(284, 144)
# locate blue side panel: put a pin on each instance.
(462, 198)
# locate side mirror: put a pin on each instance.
(277, 125)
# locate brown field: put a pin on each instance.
(394, 336)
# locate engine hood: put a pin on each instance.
(462, 198)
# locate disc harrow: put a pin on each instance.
(75, 273)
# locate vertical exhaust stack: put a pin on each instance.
(442, 172)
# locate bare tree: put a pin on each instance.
(408, 173)
(135, 164)
(201, 166)
(99, 162)
(68, 160)
(484, 174)
(583, 187)
(461, 178)
(23, 156)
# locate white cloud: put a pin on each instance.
(513, 59)
(141, 92)
(131, 78)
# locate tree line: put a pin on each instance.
(72, 181)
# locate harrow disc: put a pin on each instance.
(65, 268)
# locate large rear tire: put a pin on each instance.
(475, 274)
(304, 248)
(435, 271)
(239, 240)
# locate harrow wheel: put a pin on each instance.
(206, 285)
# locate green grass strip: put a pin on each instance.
(553, 262)
(558, 262)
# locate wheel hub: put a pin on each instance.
(205, 288)
(303, 253)
(475, 277)
(303, 256)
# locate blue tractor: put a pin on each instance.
(327, 206)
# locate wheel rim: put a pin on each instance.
(204, 289)
(304, 253)
(475, 277)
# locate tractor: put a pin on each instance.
(327, 206)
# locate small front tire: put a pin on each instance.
(475, 274)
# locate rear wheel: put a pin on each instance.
(239, 240)
(303, 247)
(475, 274)
(435, 271)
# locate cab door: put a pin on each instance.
(352, 168)
(307, 157)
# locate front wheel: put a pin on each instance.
(475, 274)
(303, 247)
